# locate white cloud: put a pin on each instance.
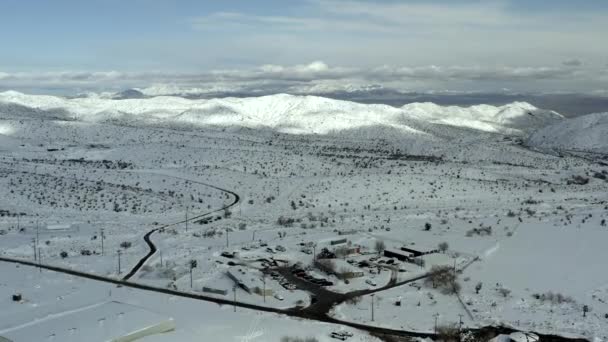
(573, 62)
(318, 75)
(366, 33)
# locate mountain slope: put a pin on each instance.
(588, 133)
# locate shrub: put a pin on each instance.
(448, 333)
(443, 278)
(504, 291)
(298, 339)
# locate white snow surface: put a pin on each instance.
(286, 113)
(588, 133)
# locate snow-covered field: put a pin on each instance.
(521, 207)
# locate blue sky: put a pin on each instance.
(559, 40)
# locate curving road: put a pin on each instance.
(152, 247)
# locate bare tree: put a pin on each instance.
(585, 310)
(443, 247)
(444, 278)
(380, 246)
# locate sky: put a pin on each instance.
(304, 45)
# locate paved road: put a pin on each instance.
(326, 299)
(221, 301)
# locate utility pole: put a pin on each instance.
(186, 218)
(227, 238)
(193, 264)
(234, 291)
(372, 307)
(18, 222)
(34, 246)
(253, 238)
(37, 234)
(460, 323)
(39, 260)
(119, 261)
(314, 251)
(436, 315)
(264, 281)
(103, 236)
(161, 258)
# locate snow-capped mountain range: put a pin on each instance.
(310, 114)
(317, 115)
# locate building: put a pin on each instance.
(109, 321)
(398, 255)
(413, 253)
(341, 269)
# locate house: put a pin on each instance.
(338, 242)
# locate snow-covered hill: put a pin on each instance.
(284, 113)
(588, 133)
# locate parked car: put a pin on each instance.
(227, 254)
(370, 282)
(278, 296)
(338, 336)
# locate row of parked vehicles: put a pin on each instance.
(301, 273)
(282, 281)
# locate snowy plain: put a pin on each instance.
(522, 206)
